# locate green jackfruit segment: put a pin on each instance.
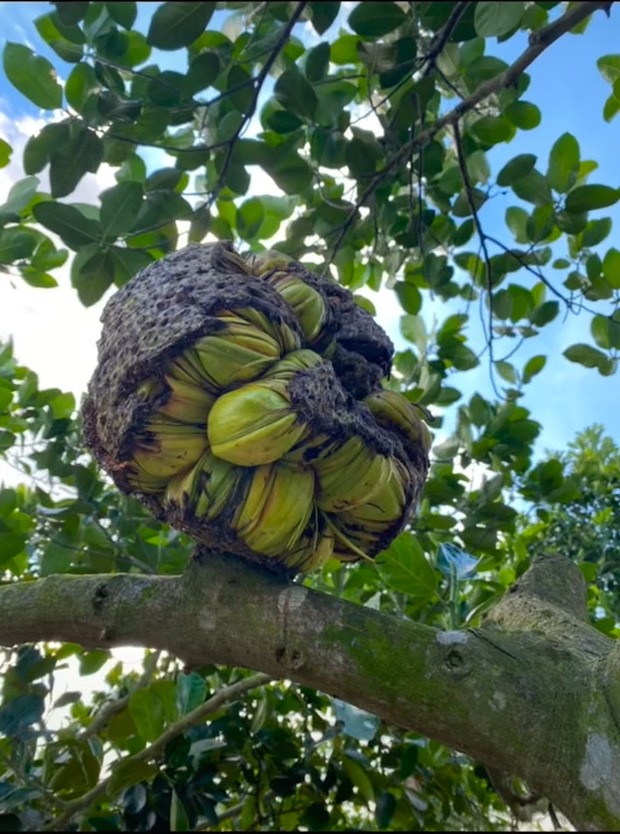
(253, 425)
(277, 508)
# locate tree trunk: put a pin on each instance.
(534, 692)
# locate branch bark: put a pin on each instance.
(534, 692)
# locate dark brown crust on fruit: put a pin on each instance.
(163, 310)
(166, 307)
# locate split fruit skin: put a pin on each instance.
(219, 443)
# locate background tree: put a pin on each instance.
(375, 122)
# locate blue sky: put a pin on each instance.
(570, 92)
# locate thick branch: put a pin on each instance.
(537, 696)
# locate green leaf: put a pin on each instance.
(190, 692)
(5, 153)
(63, 406)
(123, 13)
(523, 114)
(92, 273)
(596, 231)
(572, 224)
(372, 20)
(606, 332)
(127, 262)
(67, 698)
(128, 772)
(178, 24)
(39, 148)
(292, 174)
(203, 70)
(409, 297)
(69, 48)
(506, 371)
(250, 216)
(533, 366)
(493, 19)
(147, 711)
(15, 245)
(589, 197)
(516, 220)
(239, 87)
(119, 208)
(166, 89)
(544, 313)
(534, 188)
(91, 661)
(563, 163)
(491, 130)
(35, 278)
(70, 163)
(137, 51)
(56, 558)
(317, 62)
(71, 13)
(611, 268)
(294, 93)
(609, 67)
(610, 108)
(20, 713)
(74, 228)
(462, 357)
(516, 168)
(405, 569)
(323, 14)
(361, 155)
(11, 544)
(32, 75)
(179, 820)
(588, 356)
(81, 83)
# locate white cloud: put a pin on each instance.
(53, 333)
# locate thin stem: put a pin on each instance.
(156, 749)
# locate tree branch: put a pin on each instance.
(536, 661)
(156, 749)
(483, 244)
(260, 79)
(539, 41)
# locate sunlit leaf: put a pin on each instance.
(516, 168)
(74, 228)
(371, 19)
(405, 568)
(119, 208)
(589, 197)
(32, 75)
(497, 19)
(563, 163)
(178, 24)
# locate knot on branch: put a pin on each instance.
(556, 580)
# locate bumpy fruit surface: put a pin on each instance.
(241, 400)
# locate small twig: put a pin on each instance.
(443, 35)
(154, 750)
(114, 707)
(258, 85)
(483, 245)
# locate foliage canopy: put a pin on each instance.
(357, 138)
